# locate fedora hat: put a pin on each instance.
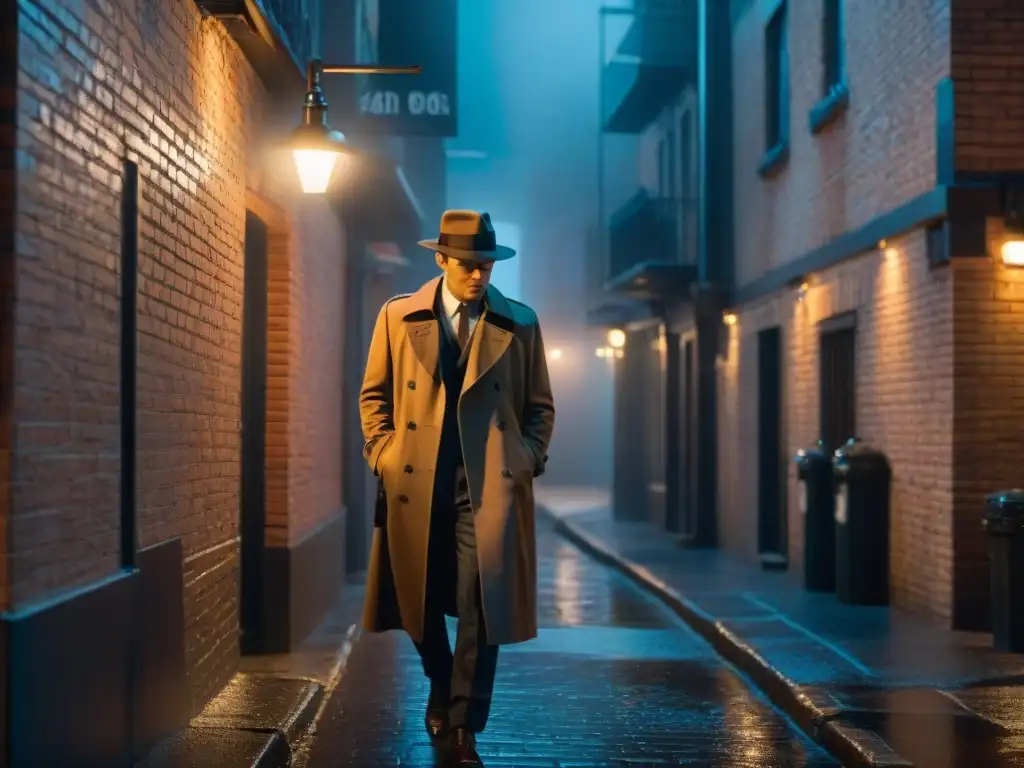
(468, 236)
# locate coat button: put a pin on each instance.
(408, 469)
(411, 426)
(404, 499)
(412, 385)
(497, 386)
(501, 426)
(506, 472)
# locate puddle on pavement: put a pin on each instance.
(930, 729)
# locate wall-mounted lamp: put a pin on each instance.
(1012, 249)
(316, 147)
(616, 338)
(802, 285)
(729, 318)
(554, 354)
(889, 251)
(1012, 252)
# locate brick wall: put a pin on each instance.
(304, 413)
(158, 84)
(904, 406)
(161, 86)
(8, 129)
(988, 308)
(879, 154)
(988, 71)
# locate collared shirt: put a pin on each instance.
(451, 305)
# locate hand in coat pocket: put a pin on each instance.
(380, 509)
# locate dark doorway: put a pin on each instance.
(254, 432)
(838, 381)
(356, 485)
(673, 433)
(771, 467)
(688, 450)
(629, 484)
(653, 409)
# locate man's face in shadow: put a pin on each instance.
(466, 279)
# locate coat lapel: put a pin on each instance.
(422, 327)
(493, 336)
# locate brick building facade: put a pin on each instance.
(138, 140)
(883, 210)
(848, 283)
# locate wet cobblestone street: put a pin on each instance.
(612, 680)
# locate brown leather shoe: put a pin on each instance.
(463, 749)
(437, 716)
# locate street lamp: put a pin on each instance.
(316, 147)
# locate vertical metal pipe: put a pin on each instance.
(602, 235)
(129, 292)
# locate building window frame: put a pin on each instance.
(776, 91)
(835, 92)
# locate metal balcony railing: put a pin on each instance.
(652, 230)
(654, 60)
(293, 17)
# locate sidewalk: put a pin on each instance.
(874, 685)
(264, 716)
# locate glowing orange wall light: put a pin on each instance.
(1012, 252)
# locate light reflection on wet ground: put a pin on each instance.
(612, 680)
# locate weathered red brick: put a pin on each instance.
(164, 87)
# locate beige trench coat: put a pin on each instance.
(506, 418)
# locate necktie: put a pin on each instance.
(463, 327)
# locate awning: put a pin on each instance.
(656, 281)
(385, 258)
(617, 313)
(655, 61)
(374, 197)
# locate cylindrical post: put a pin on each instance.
(1004, 526)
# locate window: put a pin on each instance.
(832, 45)
(835, 96)
(776, 80)
(686, 174)
(666, 166)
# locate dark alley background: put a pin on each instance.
(527, 153)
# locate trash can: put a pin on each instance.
(817, 506)
(863, 478)
(1004, 528)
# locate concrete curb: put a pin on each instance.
(293, 729)
(261, 734)
(814, 711)
(302, 720)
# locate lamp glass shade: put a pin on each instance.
(318, 151)
(616, 338)
(315, 167)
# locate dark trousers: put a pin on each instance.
(464, 678)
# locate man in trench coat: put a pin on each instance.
(457, 413)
